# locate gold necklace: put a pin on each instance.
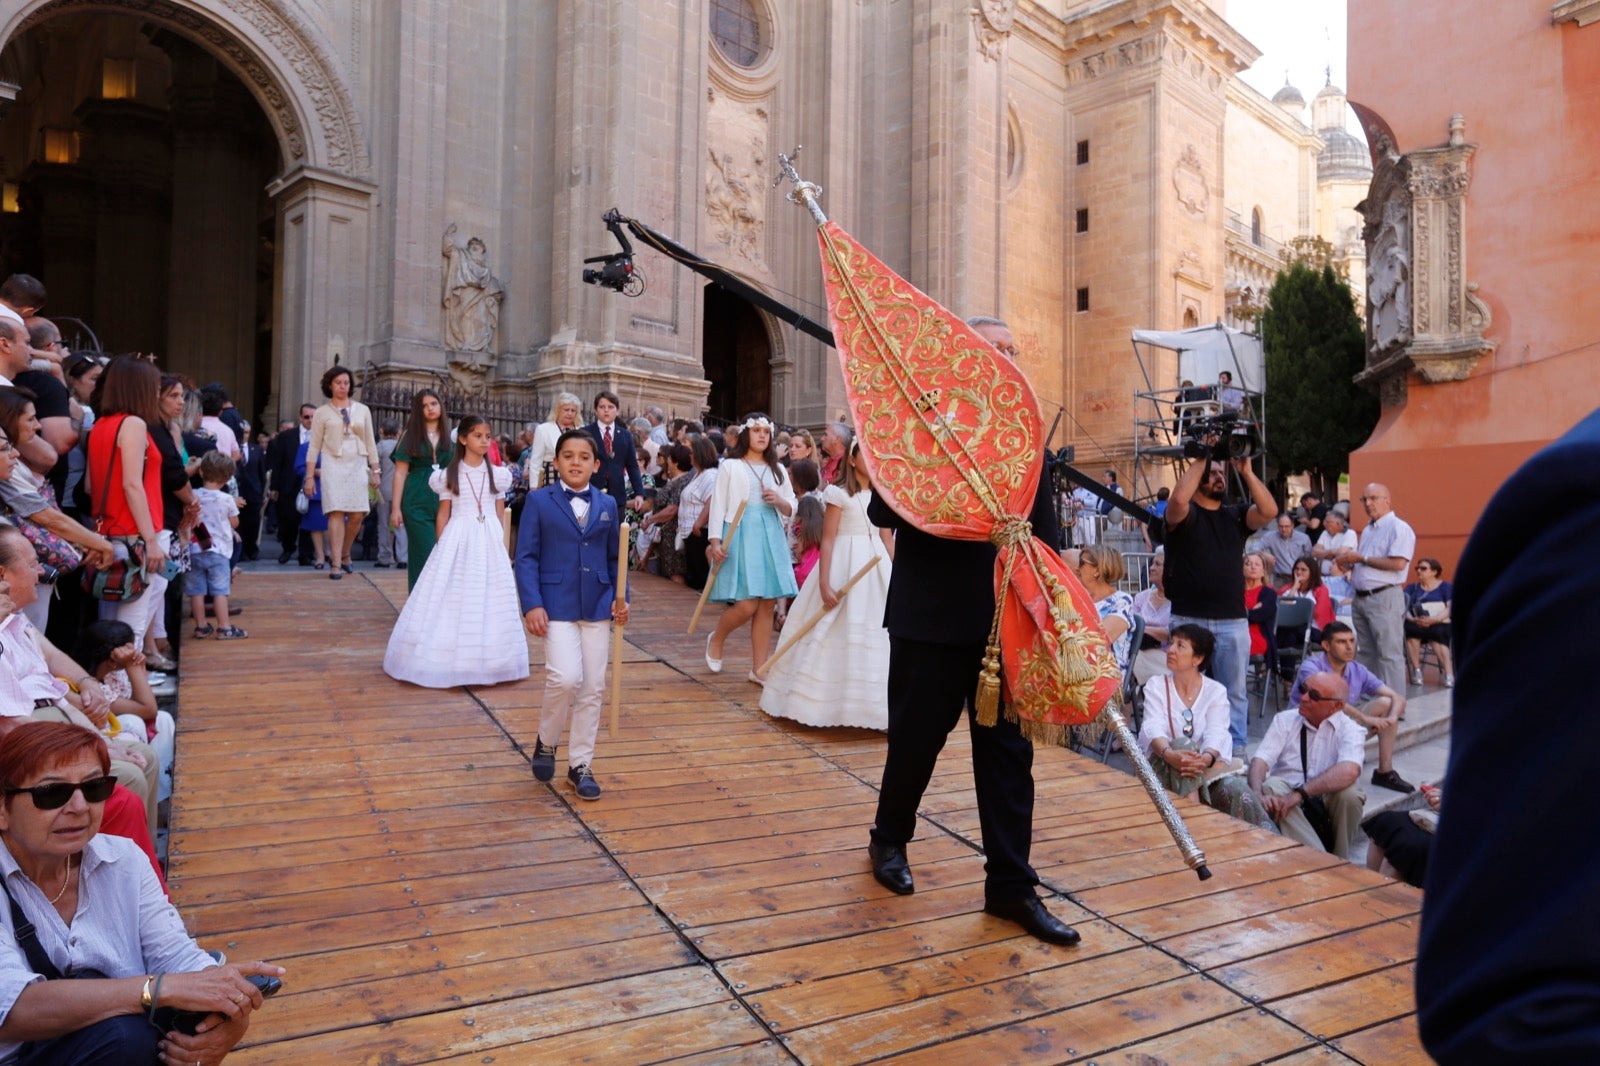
(65, 881)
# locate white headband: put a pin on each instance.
(757, 423)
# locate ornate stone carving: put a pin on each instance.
(1583, 12)
(736, 167)
(299, 51)
(1422, 313)
(1189, 180)
(1129, 54)
(472, 298)
(991, 24)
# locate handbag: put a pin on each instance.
(124, 580)
(301, 503)
(53, 549)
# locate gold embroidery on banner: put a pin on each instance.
(902, 358)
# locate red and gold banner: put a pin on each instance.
(954, 441)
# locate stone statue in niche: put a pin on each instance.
(472, 298)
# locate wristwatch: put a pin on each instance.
(1305, 797)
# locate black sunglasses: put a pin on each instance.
(58, 793)
(1314, 697)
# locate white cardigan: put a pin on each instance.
(734, 485)
(541, 451)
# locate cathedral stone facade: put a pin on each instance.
(258, 188)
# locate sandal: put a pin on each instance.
(347, 568)
(231, 633)
(202, 632)
(319, 566)
(335, 575)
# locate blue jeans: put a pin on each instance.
(1231, 667)
(126, 1040)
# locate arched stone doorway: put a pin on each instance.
(190, 178)
(736, 351)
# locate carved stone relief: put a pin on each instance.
(1189, 180)
(1124, 56)
(1422, 312)
(991, 24)
(300, 52)
(735, 168)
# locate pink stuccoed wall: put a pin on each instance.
(1530, 93)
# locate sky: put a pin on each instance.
(1300, 36)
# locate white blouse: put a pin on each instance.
(1210, 716)
(735, 485)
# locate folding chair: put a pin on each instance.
(1291, 614)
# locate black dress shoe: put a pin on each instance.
(890, 868)
(1029, 913)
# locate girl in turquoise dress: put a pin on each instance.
(755, 567)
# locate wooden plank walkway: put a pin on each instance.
(435, 904)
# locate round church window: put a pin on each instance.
(736, 28)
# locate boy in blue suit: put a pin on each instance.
(566, 569)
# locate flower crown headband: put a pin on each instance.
(757, 423)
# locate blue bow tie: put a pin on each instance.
(585, 495)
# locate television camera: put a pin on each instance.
(617, 271)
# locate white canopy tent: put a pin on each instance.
(1206, 351)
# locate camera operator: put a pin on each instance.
(1204, 577)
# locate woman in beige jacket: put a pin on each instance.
(341, 433)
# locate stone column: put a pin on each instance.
(211, 296)
(319, 295)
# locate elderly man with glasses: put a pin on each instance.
(1307, 769)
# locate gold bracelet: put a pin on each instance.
(146, 1002)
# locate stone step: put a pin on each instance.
(1427, 718)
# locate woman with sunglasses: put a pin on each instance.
(1100, 569)
(342, 440)
(1185, 730)
(98, 914)
(1428, 620)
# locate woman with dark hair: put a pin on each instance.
(424, 448)
(181, 446)
(342, 447)
(462, 623)
(51, 525)
(694, 508)
(1306, 580)
(1428, 619)
(677, 462)
(1185, 730)
(97, 912)
(123, 478)
(755, 568)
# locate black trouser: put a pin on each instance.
(929, 685)
(250, 527)
(697, 567)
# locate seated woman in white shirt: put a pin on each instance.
(1150, 658)
(1185, 730)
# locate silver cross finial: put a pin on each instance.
(805, 192)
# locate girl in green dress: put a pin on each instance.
(425, 447)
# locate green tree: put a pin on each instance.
(1316, 413)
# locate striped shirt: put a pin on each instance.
(1384, 538)
(124, 926)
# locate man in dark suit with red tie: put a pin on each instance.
(619, 462)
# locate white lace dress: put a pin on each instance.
(839, 672)
(462, 624)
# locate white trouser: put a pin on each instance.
(575, 655)
(163, 738)
(142, 613)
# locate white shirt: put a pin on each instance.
(1386, 537)
(1210, 716)
(124, 926)
(579, 505)
(1337, 740)
(735, 485)
(696, 495)
(1335, 544)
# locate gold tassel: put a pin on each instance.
(988, 700)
